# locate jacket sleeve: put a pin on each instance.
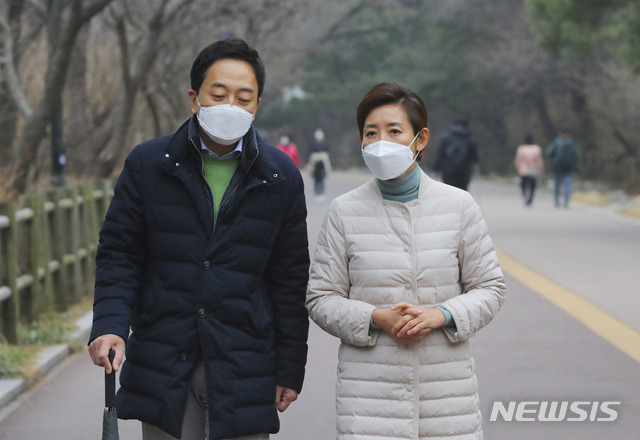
(121, 255)
(483, 287)
(328, 291)
(473, 152)
(287, 275)
(551, 150)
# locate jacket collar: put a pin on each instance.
(425, 183)
(256, 160)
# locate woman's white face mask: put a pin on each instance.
(387, 160)
(224, 124)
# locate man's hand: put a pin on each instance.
(284, 397)
(416, 320)
(99, 351)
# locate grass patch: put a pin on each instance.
(12, 359)
(590, 198)
(15, 360)
(633, 213)
(49, 329)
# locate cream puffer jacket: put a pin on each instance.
(432, 251)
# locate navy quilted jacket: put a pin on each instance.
(229, 293)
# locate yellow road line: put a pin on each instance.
(600, 322)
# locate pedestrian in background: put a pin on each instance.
(319, 163)
(564, 154)
(404, 274)
(290, 149)
(457, 154)
(202, 268)
(530, 167)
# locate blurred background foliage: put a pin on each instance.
(86, 80)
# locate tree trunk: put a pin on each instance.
(8, 110)
(63, 31)
(540, 104)
(135, 77)
(78, 123)
(585, 132)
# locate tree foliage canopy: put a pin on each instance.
(116, 72)
(574, 30)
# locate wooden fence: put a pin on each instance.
(47, 252)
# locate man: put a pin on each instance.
(564, 154)
(204, 256)
(319, 162)
(456, 156)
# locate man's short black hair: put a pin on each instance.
(231, 48)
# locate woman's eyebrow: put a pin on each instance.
(390, 124)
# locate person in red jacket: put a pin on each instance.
(289, 148)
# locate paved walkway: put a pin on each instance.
(532, 351)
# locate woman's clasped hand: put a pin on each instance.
(407, 323)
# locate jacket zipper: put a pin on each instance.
(207, 189)
(415, 385)
(224, 199)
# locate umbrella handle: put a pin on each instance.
(110, 384)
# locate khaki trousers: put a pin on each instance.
(196, 421)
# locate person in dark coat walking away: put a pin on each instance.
(319, 162)
(457, 154)
(564, 154)
(530, 167)
(202, 268)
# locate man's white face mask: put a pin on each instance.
(387, 160)
(224, 124)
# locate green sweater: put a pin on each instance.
(218, 174)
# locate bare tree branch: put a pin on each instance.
(344, 19)
(29, 38)
(62, 33)
(175, 6)
(38, 7)
(94, 8)
(10, 73)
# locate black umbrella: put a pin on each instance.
(110, 417)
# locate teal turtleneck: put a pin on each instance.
(402, 190)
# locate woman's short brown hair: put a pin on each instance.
(393, 93)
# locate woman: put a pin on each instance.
(289, 148)
(404, 274)
(530, 167)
